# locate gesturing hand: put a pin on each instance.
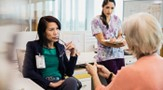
(92, 69)
(103, 71)
(71, 47)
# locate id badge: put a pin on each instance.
(40, 62)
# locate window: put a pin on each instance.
(74, 15)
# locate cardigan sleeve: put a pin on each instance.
(70, 65)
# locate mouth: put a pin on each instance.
(55, 38)
(108, 13)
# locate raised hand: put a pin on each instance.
(92, 69)
(103, 71)
(71, 47)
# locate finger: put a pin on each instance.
(61, 80)
(95, 63)
(99, 66)
(67, 46)
(87, 64)
(70, 46)
(69, 43)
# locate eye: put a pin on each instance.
(51, 29)
(57, 28)
(107, 7)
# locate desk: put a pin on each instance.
(86, 57)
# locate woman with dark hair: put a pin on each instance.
(46, 62)
(107, 30)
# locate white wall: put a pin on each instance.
(119, 9)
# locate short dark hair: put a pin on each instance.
(42, 25)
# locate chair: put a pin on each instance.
(20, 58)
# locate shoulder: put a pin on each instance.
(115, 18)
(96, 19)
(34, 45)
(35, 42)
(127, 72)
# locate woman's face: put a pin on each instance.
(108, 9)
(52, 32)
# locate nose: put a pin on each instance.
(55, 32)
(110, 10)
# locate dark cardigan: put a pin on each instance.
(66, 67)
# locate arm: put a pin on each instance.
(120, 35)
(70, 64)
(29, 68)
(98, 33)
(56, 84)
(117, 81)
(101, 39)
(92, 70)
(96, 69)
(104, 72)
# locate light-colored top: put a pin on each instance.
(104, 52)
(145, 74)
(52, 63)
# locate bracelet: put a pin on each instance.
(109, 78)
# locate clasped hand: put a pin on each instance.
(56, 84)
(97, 69)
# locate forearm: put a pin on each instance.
(53, 85)
(70, 65)
(56, 84)
(96, 81)
(111, 44)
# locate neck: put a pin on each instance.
(50, 45)
(108, 18)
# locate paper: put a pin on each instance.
(118, 41)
